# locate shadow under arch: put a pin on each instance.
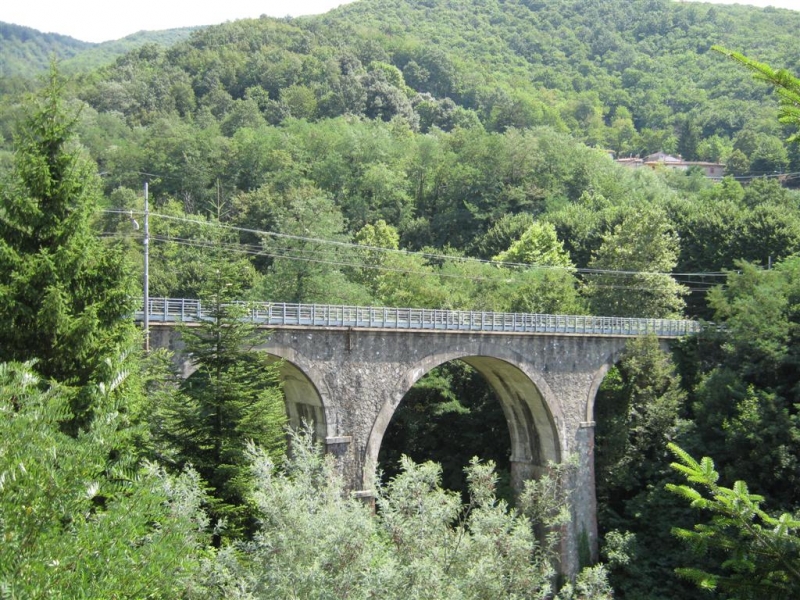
(600, 375)
(305, 393)
(531, 410)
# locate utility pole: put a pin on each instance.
(146, 272)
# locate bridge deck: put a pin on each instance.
(278, 314)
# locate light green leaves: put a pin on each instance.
(317, 541)
(71, 526)
(758, 554)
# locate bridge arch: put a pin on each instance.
(532, 411)
(597, 381)
(306, 396)
(305, 392)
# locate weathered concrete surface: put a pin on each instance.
(351, 381)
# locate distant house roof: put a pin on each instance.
(662, 157)
(712, 170)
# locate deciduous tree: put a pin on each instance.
(71, 527)
(314, 540)
(634, 263)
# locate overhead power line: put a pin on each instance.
(253, 251)
(423, 255)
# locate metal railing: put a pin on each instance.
(279, 314)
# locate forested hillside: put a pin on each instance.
(426, 153)
(645, 61)
(25, 51)
(633, 77)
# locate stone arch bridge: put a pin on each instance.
(348, 368)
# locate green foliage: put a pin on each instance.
(537, 246)
(423, 543)
(637, 411)
(72, 524)
(505, 64)
(549, 285)
(448, 413)
(623, 88)
(313, 539)
(502, 234)
(376, 239)
(311, 129)
(186, 252)
(635, 260)
(756, 309)
(305, 264)
(758, 554)
(231, 400)
(591, 583)
(24, 50)
(65, 296)
(741, 383)
(787, 86)
(543, 291)
(745, 397)
(449, 192)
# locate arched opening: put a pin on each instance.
(471, 406)
(302, 398)
(636, 411)
(450, 415)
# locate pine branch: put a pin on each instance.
(786, 85)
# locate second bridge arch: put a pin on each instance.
(529, 415)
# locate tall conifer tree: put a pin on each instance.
(65, 296)
(233, 398)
